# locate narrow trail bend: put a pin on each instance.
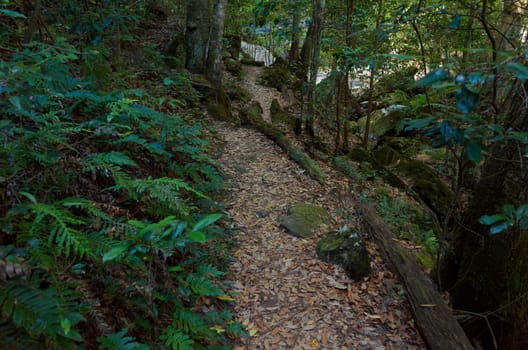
(286, 297)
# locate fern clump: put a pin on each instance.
(105, 241)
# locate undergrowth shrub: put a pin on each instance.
(105, 229)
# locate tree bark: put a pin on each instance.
(197, 35)
(487, 274)
(318, 9)
(510, 25)
(434, 319)
(294, 48)
(214, 58)
(372, 75)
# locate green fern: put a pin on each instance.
(120, 341)
(176, 340)
(165, 190)
(61, 228)
(40, 311)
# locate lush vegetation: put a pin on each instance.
(109, 236)
(442, 82)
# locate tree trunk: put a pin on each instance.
(487, 274)
(294, 48)
(318, 8)
(510, 25)
(197, 35)
(306, 54)
(214, 58)
(372, 75)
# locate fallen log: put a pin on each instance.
(437, 325)
(254, 117)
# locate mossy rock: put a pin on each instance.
(404, 145)
(277, 75)
(238, 93)
(422, 178)
(385, 121)
(221, 108)
(302, 219)
(251, 114)
(346, 249)
(233, 66)
(279, 115)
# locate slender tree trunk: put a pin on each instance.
(302, 73)
(469, 32)
(339, 85)
(318, 9)
(214, 59)
(294, 48)
(197, 35)
(372, 75)
(348, 40)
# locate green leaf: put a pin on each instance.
(467, 100)
(432, 77)
(522, 211)
(12, 14)
(167, 81)
(490, 220)
(418, 123)
(196, 236)
(29, 196)
(520, 70)
(455, 23)
(500, 227)
(115, 252)
(65, 325)
(206, 221)
(474, 152)
(509, 210)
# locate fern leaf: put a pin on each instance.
(120, 341)
(176, 340)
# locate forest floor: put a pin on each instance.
(285, 295)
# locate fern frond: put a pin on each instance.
(120, 341)
(61, 230)
(191, 323)
(176, 340)
(101, 160)
(202, 286)
(209, 270)
(86, 205)
(39, 311)
(165, 190)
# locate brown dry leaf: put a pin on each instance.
(287, 298)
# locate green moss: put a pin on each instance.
(234, 67)
(345, 249)
(303, 218)
(277, 75)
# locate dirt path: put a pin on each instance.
(260, 93)
(287, 297)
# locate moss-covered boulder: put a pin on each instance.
(233, 66)
(220, 108)
(251, 114)
(347, 249)
(279, 115)
(385, 121)
(302, 219)
(277, 75)
(419, 176)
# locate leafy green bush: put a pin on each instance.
(101, 236)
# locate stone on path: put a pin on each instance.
(345, 248)
(302, 219)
